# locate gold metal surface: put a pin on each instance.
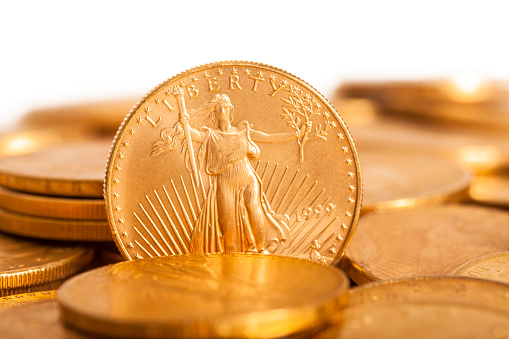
(424, 307)
(52, 207)
(490, 190)
(97, 117)
(72, 169)
(427, 240)
(54, 229)
(203, 295)
(33, 316)
(404, 179)
(275, 169)
(25, 263)
(474, 149)
(48, 286)
(493, 267)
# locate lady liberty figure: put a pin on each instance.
(236, 215)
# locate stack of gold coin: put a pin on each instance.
(55, 192)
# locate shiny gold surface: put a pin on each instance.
(54, 229)
(103, 116)
(48, 286)
(424, 307)
(477, 150)
(490, 190)
(52, 207)
(493, 267)
(203, 295)
(274, 168)
(26, 263)
(33, 316)
(405, 179)
(72, 169)
(428, 240)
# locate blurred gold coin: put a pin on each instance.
(490, 190)
(476, 150)
(492, 266)
(463, 98)
(54, 229)
(48, 286)
(426, 240)
(404, 179)
(71, 169)
(203, 295)
(424, 307)
(52, 207)
(103, 116)
(32, 316)
(26, 263)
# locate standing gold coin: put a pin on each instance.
(233, 157)
(52, 207)
(73, 169)
(424, 307)
(54, 229)
(490, 190)
(203, 295)
(27, 263)
(32, 316)
(492, 267)
(427, 240)
(404, 179)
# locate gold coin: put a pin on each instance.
(98, 117)
(476, 150)
(52, 207)
(424, 307)
(427, 240)
(26, 263)
(51, 285)
(493, 266)
(203, 295)
(16, 142)
(269, 167)
(490, 190)
(404, 179)
(481, 102)
(72, 169)
(54, 229)
(32, 316)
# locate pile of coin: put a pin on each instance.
(234, 192)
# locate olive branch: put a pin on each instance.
(298, 111)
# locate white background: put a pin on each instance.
(62, 52)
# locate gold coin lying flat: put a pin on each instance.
(233, 157)
(493, 267)
(480, 151)
(424, 307)
(32, 316)
(54, 229)
(203, 295)
(103, 116)
(73, 169)
(52, 207)
(427, 240)
(490, 190)
(48, 286)
(27, 263)
(403, 179)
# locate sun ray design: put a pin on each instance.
(167, 217)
